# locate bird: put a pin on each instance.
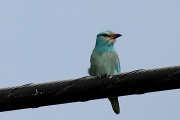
(105, 62)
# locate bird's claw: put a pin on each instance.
(99, 76)
(108, 76)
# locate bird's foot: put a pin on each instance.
(105, 76)
(108, 76)
(99, 76)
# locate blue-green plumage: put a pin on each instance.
(104, 60)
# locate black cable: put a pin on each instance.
(89, 88)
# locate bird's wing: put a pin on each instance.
(93, 61)
(118, 64)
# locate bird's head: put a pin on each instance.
(107, 38)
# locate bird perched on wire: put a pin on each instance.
(104, 60)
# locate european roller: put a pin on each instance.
(105, 61)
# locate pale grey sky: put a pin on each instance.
(42, 41)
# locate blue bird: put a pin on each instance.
(105, 61)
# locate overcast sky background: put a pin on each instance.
(49, 40)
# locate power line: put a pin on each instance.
(89, 88)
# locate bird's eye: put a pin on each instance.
(105, 35)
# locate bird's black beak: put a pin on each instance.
(116, 36)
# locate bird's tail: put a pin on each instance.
(115, 104)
